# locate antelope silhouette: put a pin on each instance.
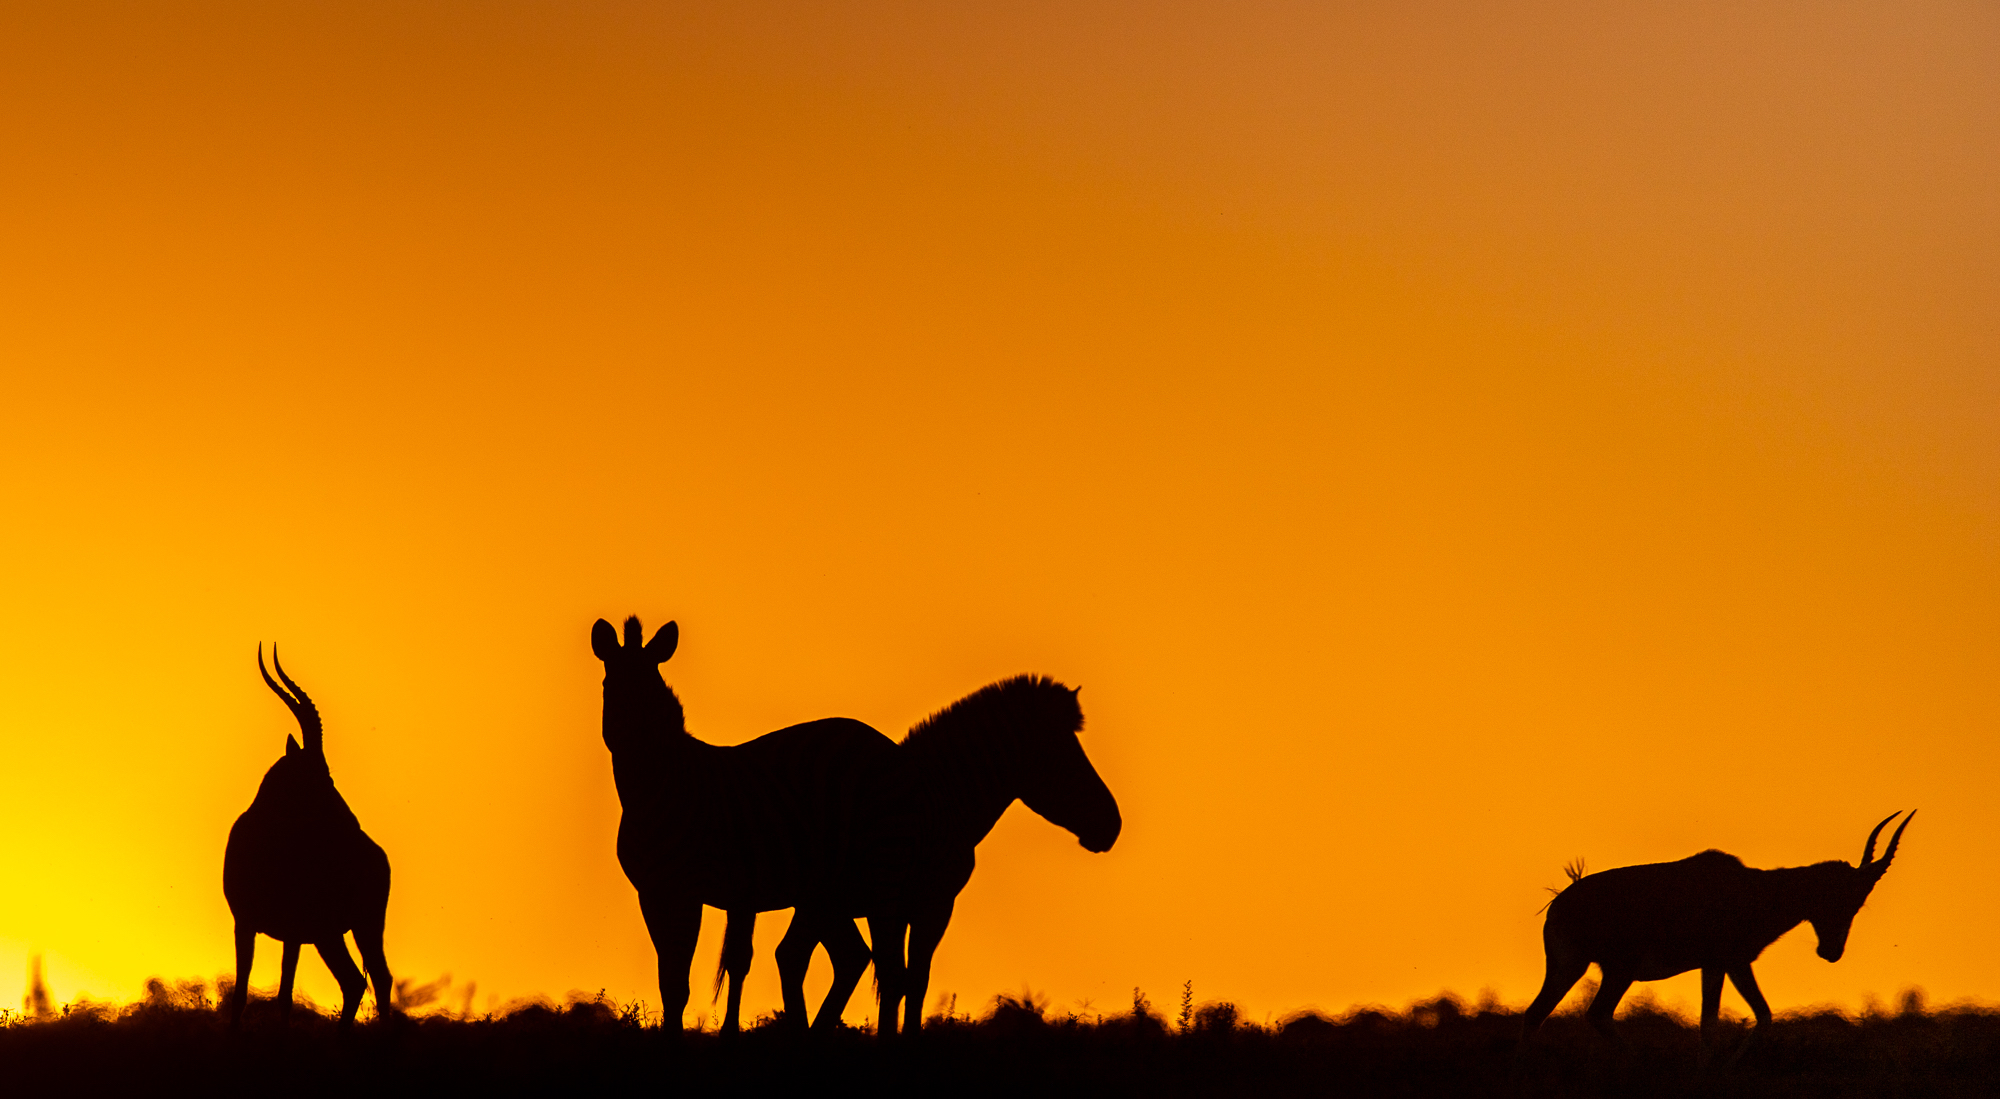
(758, 826)
(1708, 912)
(300, 869)
(926, 807)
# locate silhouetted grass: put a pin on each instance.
(175, 1042)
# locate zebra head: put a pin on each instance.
(638, 704)
(1057, 779)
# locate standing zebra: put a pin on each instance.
(300, 869)
(748, 828)
(926, 809)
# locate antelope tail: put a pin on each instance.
(1575, 871)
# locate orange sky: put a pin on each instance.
(1441, 442)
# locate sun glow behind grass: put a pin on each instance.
(1437, 1046)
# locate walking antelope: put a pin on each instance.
(1706, 912)
(926, 807)
(749, 828)
(300, 869)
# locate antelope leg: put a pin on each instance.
(1605, 1003)
(352, 983)
(290, 970)
(1711, 1011)
(1746, 987)
(246, 949)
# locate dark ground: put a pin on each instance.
(180, 1045)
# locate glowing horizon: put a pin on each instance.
(1442, 444)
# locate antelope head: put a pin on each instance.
(637, 701)
(1848, 887)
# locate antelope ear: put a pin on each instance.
(604, 640)
(292, 746)
(664, 643)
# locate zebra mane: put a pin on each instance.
(1026, 705)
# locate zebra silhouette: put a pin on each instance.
(1708, 912)
(300, 869)
(749, 828)
(926, 808)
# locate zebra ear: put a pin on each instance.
(292, 746)
(604, 640)
(664, 643)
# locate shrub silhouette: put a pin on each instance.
(176, 1039)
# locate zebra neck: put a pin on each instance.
(968, 789)
(643, 770)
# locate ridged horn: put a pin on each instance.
(1895, 838)
(301, 706)
(1868, 849)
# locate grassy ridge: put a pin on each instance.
(177, 1043)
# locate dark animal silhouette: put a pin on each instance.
(926, 809)
(300, 869)
(1706, 912)
(749, 828)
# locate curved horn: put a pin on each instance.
(1895, 838)
(290, 702)
(302, 706)
(1868, 849)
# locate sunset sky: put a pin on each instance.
(1443, 441)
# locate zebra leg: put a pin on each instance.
(674, 922)
(368, 940)
(887, 931)
(737, 947)
(850, 955)
(290, 970)
(926, 931)
(794, 955)
(246, 949)
(352, 983)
